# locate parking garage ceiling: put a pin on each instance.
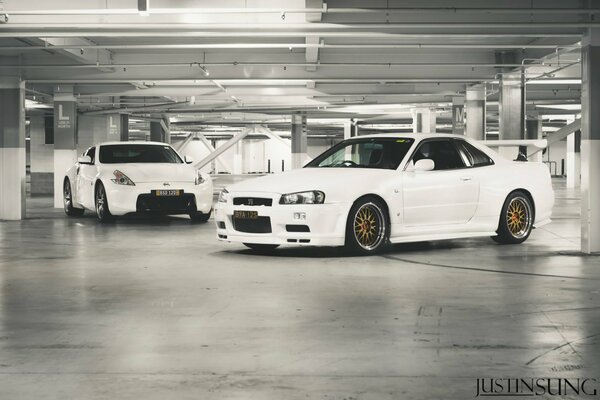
(259, 61)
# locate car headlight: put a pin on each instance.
(122, 179)
(200, 179)
(309, 197)
(223, 196)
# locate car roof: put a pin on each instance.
(410, 135)
(133, 142)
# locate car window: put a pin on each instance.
(442, 152)
(381, 153)
(474, 156)
(138, 153)
(92, 153)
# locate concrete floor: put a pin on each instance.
(157, 309)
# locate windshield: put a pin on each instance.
(138, 153)
(382, 153)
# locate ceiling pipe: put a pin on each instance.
(289, 46)
(324, 10)
(189, 81)
(276, 64)
(305, 27)
(48, 33)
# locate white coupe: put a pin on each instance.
(119, 178)
(371, 190)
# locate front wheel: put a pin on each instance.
(516, 219)
(70, 210)
(367, 229)
(102, 211)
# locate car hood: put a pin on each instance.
(325, 179)
(149, 172)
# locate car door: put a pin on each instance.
(85, 180)
(444, 196)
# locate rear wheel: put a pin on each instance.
(261, 247)
(199, 217)
(367, 229)
(102, 211)
(516, 219)
(70, 210)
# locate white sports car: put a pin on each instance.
(119, 178)
(370, 190)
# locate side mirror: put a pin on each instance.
(84, 160)
(188, 159)
(423, 165)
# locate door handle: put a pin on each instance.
(466, 178)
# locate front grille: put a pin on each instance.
(252, 201)
(183, 204)
(259, 225)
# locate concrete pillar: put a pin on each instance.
(65, 138)
(299, 141)
(424, 120)
(12, 149)
(512, 107)
(159, 131)
(350, 129)
(590, 142)
(534, 132)
(475, 111)
(458, 115)
(573, 160)
(156, 132)
(238, 158)
(124, 134)
(41, 145)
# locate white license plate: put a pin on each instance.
(169, 192)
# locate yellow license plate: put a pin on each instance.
(245, 214)
(169, 192)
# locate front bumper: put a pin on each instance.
(123, 199)
(326, 222)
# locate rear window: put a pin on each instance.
(474, 156)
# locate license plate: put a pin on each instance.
(245, 214)
(169, 192)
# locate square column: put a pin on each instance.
(65, 138)
(475, 112)
(512, 107)
(424, 120)
(458, 115)
(534, 132)
(299, 141)
(124, 133)
(350, 129)
(12, 149)
(590, 142)
(573, 160)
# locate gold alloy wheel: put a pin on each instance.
(518, 217)
(369, 226)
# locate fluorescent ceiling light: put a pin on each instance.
(144, 7)
(569, 107)
(31, 104)
(555, 82)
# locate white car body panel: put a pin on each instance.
(430, 205)
(122, 199)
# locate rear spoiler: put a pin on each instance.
(521, 145)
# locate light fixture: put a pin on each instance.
(144, 7)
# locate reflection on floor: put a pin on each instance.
(159, 309)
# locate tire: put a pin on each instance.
(368, 226)
(261, 247)
(101, 201)
(68, 201)
(516, 219)
(200, 218)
